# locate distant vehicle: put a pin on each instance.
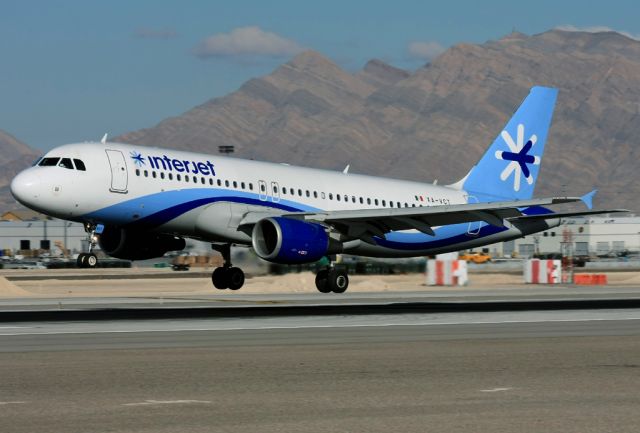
(141, 202)
(475, 257)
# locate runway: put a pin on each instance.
(569, 371)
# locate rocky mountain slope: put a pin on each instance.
(436, 122)
(14, 157)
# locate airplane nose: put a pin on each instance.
(25, 187)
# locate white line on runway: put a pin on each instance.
(496, 389)
(220, 327)
(159, 402)
(4, 403)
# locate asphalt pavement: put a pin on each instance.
(528, 371)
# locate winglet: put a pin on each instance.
(104, 139)
(346, 169)
(587, 199)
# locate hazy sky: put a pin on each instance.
(73, 70)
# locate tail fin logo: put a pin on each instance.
(518, 157)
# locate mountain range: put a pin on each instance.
(435, 122)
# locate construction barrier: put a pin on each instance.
(446, 272)
(542, 271)
(590, 279)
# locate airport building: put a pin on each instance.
(604, 236)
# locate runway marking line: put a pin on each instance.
(496, 390)
(335, 326)
(160, 402)
(5, 403)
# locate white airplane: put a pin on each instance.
(141, 202)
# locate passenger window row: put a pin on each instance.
(194, 179)
(77, 164)
(283, 191)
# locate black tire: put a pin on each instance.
(81, 260)
(235, 278)
(338, 280)
(220, 278)
(90, 261)
(322, 281)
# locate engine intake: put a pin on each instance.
(286, 240)
(127, 245)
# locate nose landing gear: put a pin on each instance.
(90, 260)
(227, 276)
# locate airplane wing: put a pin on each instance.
(366, 223)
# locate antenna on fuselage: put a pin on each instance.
(346, 169)
(104, 138)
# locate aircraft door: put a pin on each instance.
(275, 192)
(119, 175)
(262, 189)
(474, 226)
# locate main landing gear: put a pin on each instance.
(89, 260)
(227, 276)
(332, 279)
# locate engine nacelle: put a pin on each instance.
(286, 240)
(128, 245)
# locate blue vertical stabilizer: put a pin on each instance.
(509, 169)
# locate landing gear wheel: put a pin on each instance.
(235, 278)
(322, 281)
(220, 278)
(90, 260)
(81, 260)
(338, 280)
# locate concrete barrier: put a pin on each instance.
(447, 273)
(542, 271)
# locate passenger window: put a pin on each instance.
(330, 196)
(251, 186)
(162, 175)
(178, 177)
(275, 189)
(368, 201)
(242, 185)
(399, 205)
(79, 165)
(202, 181)
(146, 173)
(170, 176)
(153, 174)
(390, 204)
(376, 202)
(66, 163)
(226, 183)
(219, 182)
(291, 191)
(49, 162)
(263, 188)
(315, 194)
(384, 203)
(308, 194)
(338, 197)
(300, 192)
(322, 195)
(353, 198)
(235, 184)
(137, 172)
(210, 181)
(361, 200)
(284, 190)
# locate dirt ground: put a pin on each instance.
(155, 285)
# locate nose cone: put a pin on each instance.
(25, 187)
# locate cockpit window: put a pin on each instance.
(49, 162)
(79, 165)
(66, 163)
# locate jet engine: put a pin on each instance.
(125, 244)
(287, 240)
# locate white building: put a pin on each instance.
(592, 236)
(42, 234)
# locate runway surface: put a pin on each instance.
(564, 371)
